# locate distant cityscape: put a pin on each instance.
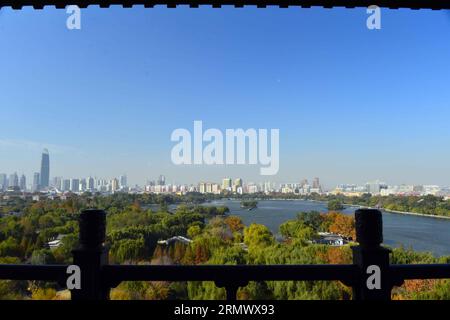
(42, 184)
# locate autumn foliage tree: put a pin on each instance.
(235, 223)
(342, 224)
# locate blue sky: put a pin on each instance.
(351, 104)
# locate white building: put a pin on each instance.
(114, 185)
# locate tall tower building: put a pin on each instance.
(161, 180)
(202, 187)
(123, 181)
(65, 185)
(237, 185)
(75, 185)
(3, 181)
(114, 185)
(14, 180)
(45, 169)
(36, 181)
(56, 182)
(83, 185)
(316, 183)
(90, 184)
(23, 182)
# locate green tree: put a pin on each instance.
(335, 205)
(257, 235)
(42, 256)
(194, 231)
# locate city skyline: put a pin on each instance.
(122, 180)
(227, 183)
(113, 108)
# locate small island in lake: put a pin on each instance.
(249, 205)
(335, 205)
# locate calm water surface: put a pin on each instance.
(419, 233)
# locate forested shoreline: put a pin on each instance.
(428, 205)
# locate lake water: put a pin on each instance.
(419, 233)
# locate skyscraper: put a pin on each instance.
(75, 185)
(237, 185)
(65, 185)
(123, 181)
(303, 183)
(83, 185)
(56, 182)
(45, 169)
(316, 183)
(3, 181)
(23, 183)
(161, 180)
(90, 184)
(14, 180)
(36, 182)
(114, 185)
(202, 187)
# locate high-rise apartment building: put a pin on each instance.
(83, 185)
(36, 182)
(3, 181)
(23, 183)
(202, 187)
(14, 180)
(227, 184)
(56, 182)
(123, 181)
(90, 184)
(161, 180)
(252, 188)
(316, 183)
(215, 188)
(65, 185)
(114, 185)
(75, 185)
(237, 185)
